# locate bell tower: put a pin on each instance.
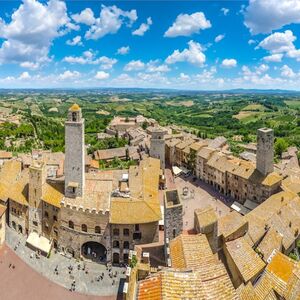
(74, 153)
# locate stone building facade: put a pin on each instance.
(99, 216)
(157, 145)
(75, 153)
(173, 210)
(265, 152)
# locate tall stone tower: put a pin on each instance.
(75, 153)
(37, 179)
(157, 145)
(265, 151)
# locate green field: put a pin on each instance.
(208, 115)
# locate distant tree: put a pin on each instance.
(280, 146)
(144, 125)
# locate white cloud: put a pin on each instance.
(24, 76)
(184, 77)
(76, 41)
(225, 11)
(85, 17)
(154, 66)
(262, 69)
(263, 16)
(29, 65)
(110, 21)
(143, 28)
(32, 29)
(251, 42)
(101, 75)
(229, 63)
(273, 58)
(192, 55)
(69, 75)
(134, 65)
(278, 42)
(89, 58)
(105, 62)
(286, 71)
(123, 50)
(294, 53)
(219, 38)
(186, 25)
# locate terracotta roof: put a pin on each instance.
(53, 193)
(150, 289)
(206, 216)
(114, 152)
(184, 144)
(2, 210)
(230, 223)
(143, 204)
(256, 228)
(19, 192)
(5, 154)
(245, 258)
(248, 292)
(198, 145)
(247, 170)
(190, 251)
(210, 283)
(271, 241)
(205, 152)
(291, 184)
(276, 275)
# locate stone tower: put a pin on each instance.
(265, 151)
(37, 179)
(75, 153)
(157, 145)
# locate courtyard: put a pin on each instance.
(196, 194)
(83, 277)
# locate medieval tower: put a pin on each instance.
(37, 179)
(265, 151)
(75, 153)
(157, 145)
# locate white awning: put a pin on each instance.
(176, 171)
(240, 208)
(39, 243)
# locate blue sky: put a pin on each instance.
(162, 44)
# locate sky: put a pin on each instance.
(198, 45)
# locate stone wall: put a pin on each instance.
(71, 240)
(18, 215)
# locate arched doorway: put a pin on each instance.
(116, 258)
(20, 229)
(94, 251)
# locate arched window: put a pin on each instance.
(116, 244)
(46, 214)
(97, 229)
(83, 228)
(126, 245)
(54, 218)
(74, 117)
(116, 232)
(71, 225)
(126, 231)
